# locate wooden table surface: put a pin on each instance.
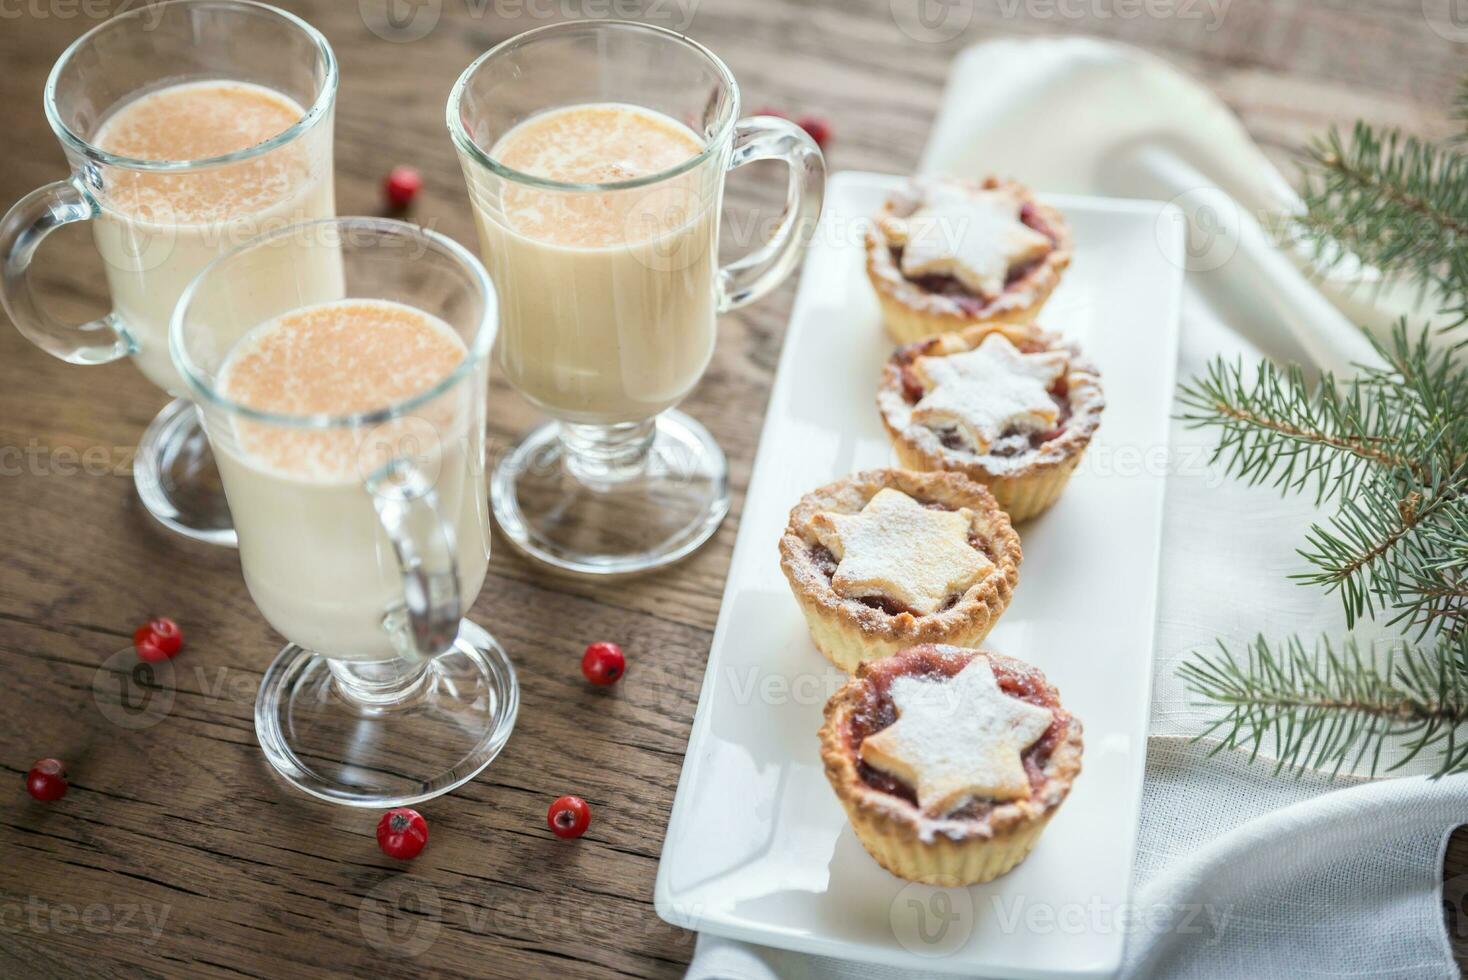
(177, 852)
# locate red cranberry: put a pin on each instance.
(158, 639)
(47, 780)
(401, 833)
(568, 817)
(818, 128)
(603, 663)
(402, 185)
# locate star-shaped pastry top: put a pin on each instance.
(898, 549)
(990, 389)
(974, 236)
(957, 738)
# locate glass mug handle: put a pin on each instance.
(22, 230)
(770, 138)
(409, 511)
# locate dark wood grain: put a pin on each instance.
(176, 852)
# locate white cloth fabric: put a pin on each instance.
(1275, 876)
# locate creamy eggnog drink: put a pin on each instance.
(607, 298)
(315, 557)
(595, 154)
(157, 230)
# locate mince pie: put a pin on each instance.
(945, 253)
(949, 762)
(1013, 408)
(885, 559)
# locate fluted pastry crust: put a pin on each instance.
(848, 631)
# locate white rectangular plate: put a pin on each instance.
(758, 847)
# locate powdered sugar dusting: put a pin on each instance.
(900, 550)
(957, 738)
(988, 390)
(975, 236)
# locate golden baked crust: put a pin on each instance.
(961, 849)
(912, 313)
(1025, 484)
(848, 631)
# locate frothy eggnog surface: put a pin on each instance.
(591, 144)
(198, 121)
(341, 358)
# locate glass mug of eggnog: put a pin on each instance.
(347, 419)
(190, 127)
(595, 154)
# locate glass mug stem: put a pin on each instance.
(379, 684)
(602, 454)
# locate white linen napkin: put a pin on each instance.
(1240, 872)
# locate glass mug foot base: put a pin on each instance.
(606, 518)
(176, 478)
(335, 731)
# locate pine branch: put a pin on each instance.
(1390, 447)
(1380, 549)
(1398, 203)
(1279, 427)
(1329, 709)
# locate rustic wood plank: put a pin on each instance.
(179, 828)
